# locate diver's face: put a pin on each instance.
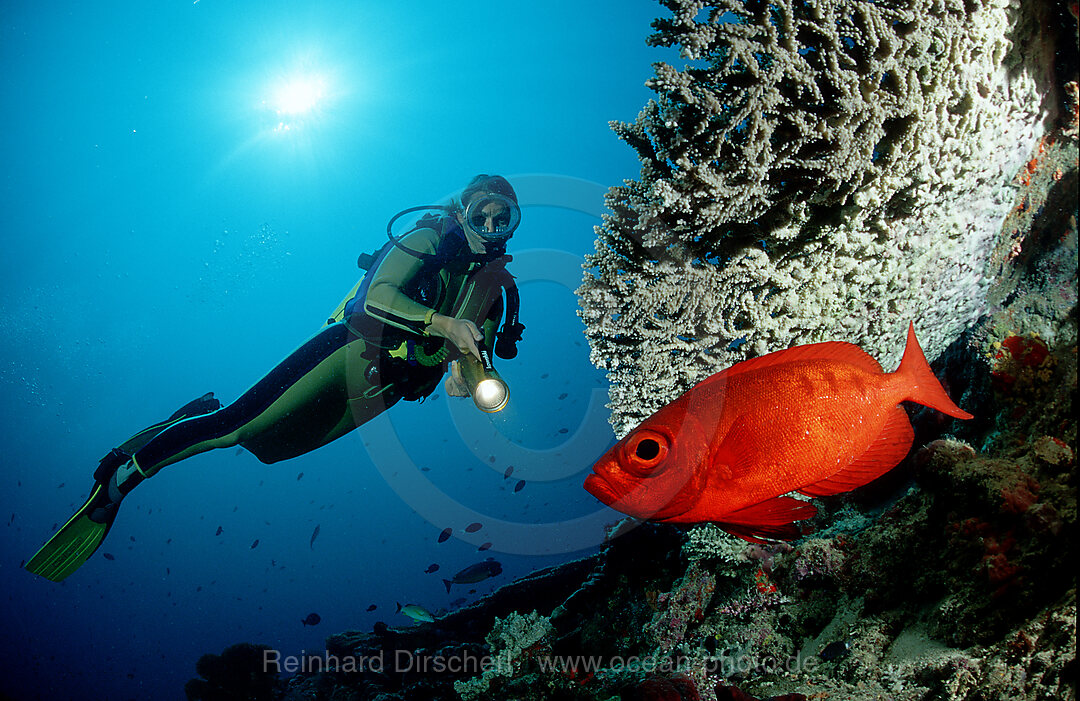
(492, 216)
(488, 218)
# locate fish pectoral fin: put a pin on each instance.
(736, 453)
(769, 520)
(888, 449)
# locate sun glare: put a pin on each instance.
(297, 101)
(298, 95)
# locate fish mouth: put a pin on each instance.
(601, 489)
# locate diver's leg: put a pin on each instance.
(320, 392)
(284, 433)
(70, 546)
(299, 400)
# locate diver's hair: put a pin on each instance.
(487, 183)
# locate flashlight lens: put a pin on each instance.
(491, 395)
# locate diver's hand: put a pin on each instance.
(461, 332)
(455, 384)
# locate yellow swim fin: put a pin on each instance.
(73, 544)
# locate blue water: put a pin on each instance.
(170, 228)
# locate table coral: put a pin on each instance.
(816, 171)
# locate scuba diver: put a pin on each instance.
(431, 300)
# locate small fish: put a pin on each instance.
(132, 538)
(108, 556)
(519, 486)
(445, 535)
(509, 471)
(544, 376)
(255, 544)
(483, 547)
(835, 650)
(819, 419)
(312, 619)
(239, 451)
(564, 430)
(425, 469)
(431, 568)
(475, 573)
(416, 612)
(372, 608)
(219, 530)
(473, 527)
(564, 395)
(300, 477)
(314, 535)
(61, 485)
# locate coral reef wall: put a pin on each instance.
(820, 170)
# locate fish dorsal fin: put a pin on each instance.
(837, 351)
(771, 519)
(888, 449)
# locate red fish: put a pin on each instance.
(818, 419)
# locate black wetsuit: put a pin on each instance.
(358, 365)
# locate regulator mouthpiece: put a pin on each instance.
(489, 392)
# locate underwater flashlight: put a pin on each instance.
(489, 391)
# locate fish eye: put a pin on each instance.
(646, 450)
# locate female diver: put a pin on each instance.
(436, 290)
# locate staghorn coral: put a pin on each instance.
(708, 541)
(512, 641)
(817, 171)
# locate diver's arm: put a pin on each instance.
(460, 332)
(385, 301)
(455, 383)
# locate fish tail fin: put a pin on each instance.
(447, 582)
(921, 386)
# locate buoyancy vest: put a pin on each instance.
(452, 254)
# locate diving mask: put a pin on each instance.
(492, 217)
